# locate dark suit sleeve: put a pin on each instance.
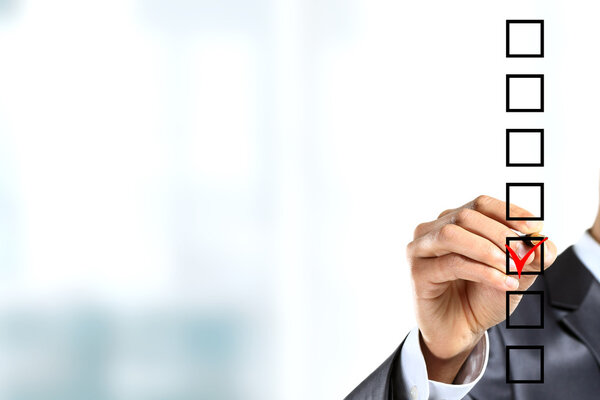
(385, 383)
(492, 385)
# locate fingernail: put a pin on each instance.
(511, 282)
(512, 266)
(521, 250)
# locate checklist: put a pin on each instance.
(524, 148)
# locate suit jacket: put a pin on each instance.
(570, 339)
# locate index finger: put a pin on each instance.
(496, 209)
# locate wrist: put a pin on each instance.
(443, 366)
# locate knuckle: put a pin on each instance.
(419, 230)
(446, 211)
(455, 261)
(447, 233)
(481, 201)
(453, 264)
(410, 249)
(490, 250)
(463, 216)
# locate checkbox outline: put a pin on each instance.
(525, 184)
(524, 21)
(525, 293)
(522, 239)
(537, 130)
(524, 76)
(508, 348)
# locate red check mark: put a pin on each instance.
(520, 262)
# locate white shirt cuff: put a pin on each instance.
(416, 380)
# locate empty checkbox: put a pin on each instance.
(525, 38)
(525, 93)
(524, 147)
(526, 195)
(521, 318)
(524, 364)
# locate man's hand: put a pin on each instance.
(458, 265)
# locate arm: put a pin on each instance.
(403, 376)
(412, 371)
(457, 264)
(458, 269)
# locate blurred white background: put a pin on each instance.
(212, 199)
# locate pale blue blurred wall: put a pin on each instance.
(180, 224)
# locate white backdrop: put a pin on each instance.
(263, 164)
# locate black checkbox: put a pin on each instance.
(525, 361)
(524, 239)
(524, 93)
(527, 195)
(524, 147)
(525, 38)
(534, 299)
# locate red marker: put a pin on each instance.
(520, 262)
